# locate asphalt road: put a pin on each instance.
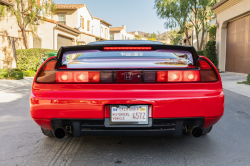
(22, 143)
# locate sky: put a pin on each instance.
(137, 15)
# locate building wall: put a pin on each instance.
(9, 26)
(8, 45)
(86, 38)
(96, 27)
(45, 33)
(70, 15)
(225, 15)
(83, 12)
(104, 26)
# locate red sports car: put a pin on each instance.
(127, 88)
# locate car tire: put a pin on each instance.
(48, 133)
(207, 130)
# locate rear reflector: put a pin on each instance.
(126, 48)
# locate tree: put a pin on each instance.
(138, 37)
(174, 13)
(174, 37)
(186, 14)
(153, 36)
(28, 13)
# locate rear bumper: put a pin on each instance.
(167, 101)
(156, 127)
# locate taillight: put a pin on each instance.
(77, 76)
(178, 76)
(48, 73)
(207, 73)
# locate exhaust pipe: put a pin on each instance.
(60, 133)
(195, 131)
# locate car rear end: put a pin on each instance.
(127, 89)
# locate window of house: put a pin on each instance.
(102, 29)
(106, 33)
(112, 36)
(82, 22)
(62, 18)
(88, 25)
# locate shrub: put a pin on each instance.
(210, 52)
(29, 73)
(201, 52)
(13, 74)
(30, 59)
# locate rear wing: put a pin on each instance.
(65, 49)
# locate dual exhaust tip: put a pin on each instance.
(194, 131)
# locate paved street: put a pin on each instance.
(22, 142)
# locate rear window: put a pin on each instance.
(162, 54)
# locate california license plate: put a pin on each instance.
(133, 114)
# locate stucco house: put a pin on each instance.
(233, 35)
(120, 33)
(70, 24)
(77, 16)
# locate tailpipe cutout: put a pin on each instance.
(60, 133)
(195, 131)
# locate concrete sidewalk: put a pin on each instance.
(7, 84)
(229, 82)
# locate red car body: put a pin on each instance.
(54, 105)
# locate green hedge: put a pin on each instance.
(29, 73)
(30, 59)
(210, 52)
(13, 74)
(201, 52)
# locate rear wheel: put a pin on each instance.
(48, 133)
(207, 130)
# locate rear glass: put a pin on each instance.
(92, 55)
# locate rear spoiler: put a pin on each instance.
(64, 49)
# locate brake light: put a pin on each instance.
(77, 76)
(178, 76)
(126, 48)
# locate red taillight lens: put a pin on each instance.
(77, 76)
(178, 76)
(191, 76)
(175, 76)
(204, 64)
(207, 73)
(162, 76)
(48, 73)
(126, 48)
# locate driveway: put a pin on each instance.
(22, 142)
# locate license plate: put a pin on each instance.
(134, 114)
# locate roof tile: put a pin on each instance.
(69, 6)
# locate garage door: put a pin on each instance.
(238, 46)
(63, 41)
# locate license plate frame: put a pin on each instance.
(130, 121)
